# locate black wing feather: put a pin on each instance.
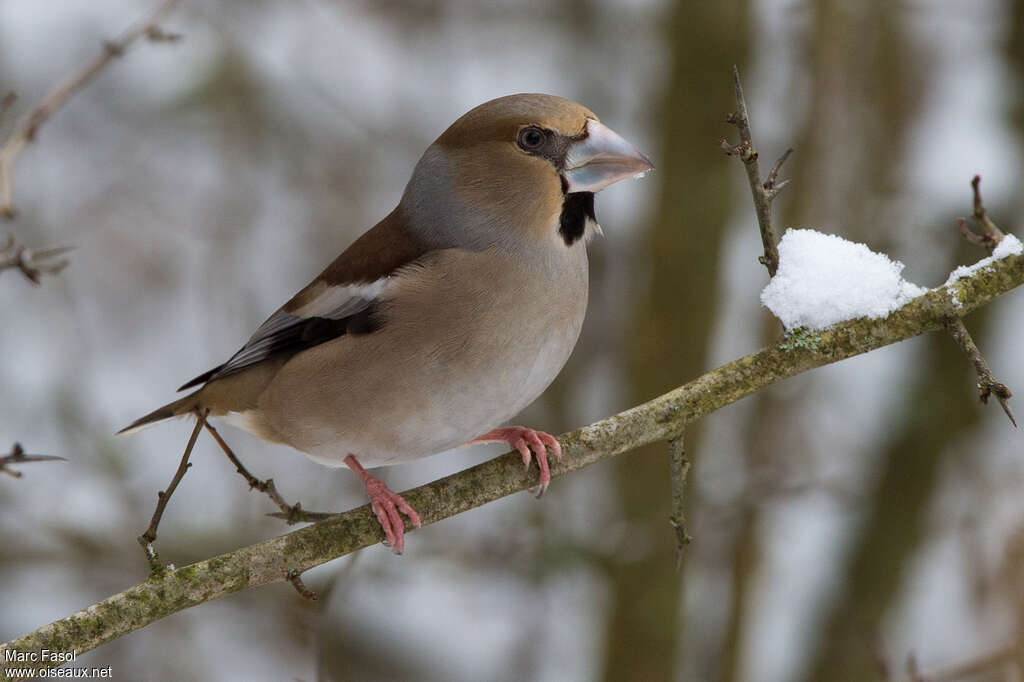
(291, 338)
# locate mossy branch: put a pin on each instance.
(660, 419)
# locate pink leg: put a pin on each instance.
(524, 440)
(386, 505)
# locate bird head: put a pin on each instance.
(519, 167)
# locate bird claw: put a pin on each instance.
(531, 444)
(387, 506)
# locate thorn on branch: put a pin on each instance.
(17, 456)
(295, 578)
(987, 384)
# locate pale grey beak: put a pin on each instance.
(602, 158)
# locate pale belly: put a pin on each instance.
(461, 404)
(414, 389)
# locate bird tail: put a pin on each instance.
(175, 409)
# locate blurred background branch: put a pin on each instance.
(32, 263)
(27, 127)
(17, 456)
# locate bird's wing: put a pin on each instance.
(341, 300)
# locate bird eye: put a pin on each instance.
(531, 138)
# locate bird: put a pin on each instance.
(444, 320)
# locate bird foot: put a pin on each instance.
(524, 440)
(386, 505)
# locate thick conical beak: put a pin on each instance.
(601, 158)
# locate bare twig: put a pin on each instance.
(990, 234)
(17, 456)
(763, 192)
(149, 537)
(988, 239)
(981, 216)
(679, 467)
(973, 237)
(290, 513)
(771, 185)
(27, 127)
(32, 263)
(987, 384)
(295, 578)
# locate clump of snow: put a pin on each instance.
(824, 279)
(1008, 246)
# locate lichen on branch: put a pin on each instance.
(662, 418)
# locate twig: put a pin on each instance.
(27, 127)
(290, 513)
(679, 467)
(989, 239)
(981, 216)
(987, 384)
(972, 237)
(651, 422)
(149, 537)
(18, 456)
(990, 234)
(295, 578)
(771, 184)
(33, 263)
(763, 192)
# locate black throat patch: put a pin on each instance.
(576, 208)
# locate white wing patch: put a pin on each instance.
(335, 302)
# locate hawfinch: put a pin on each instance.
(444, 320)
